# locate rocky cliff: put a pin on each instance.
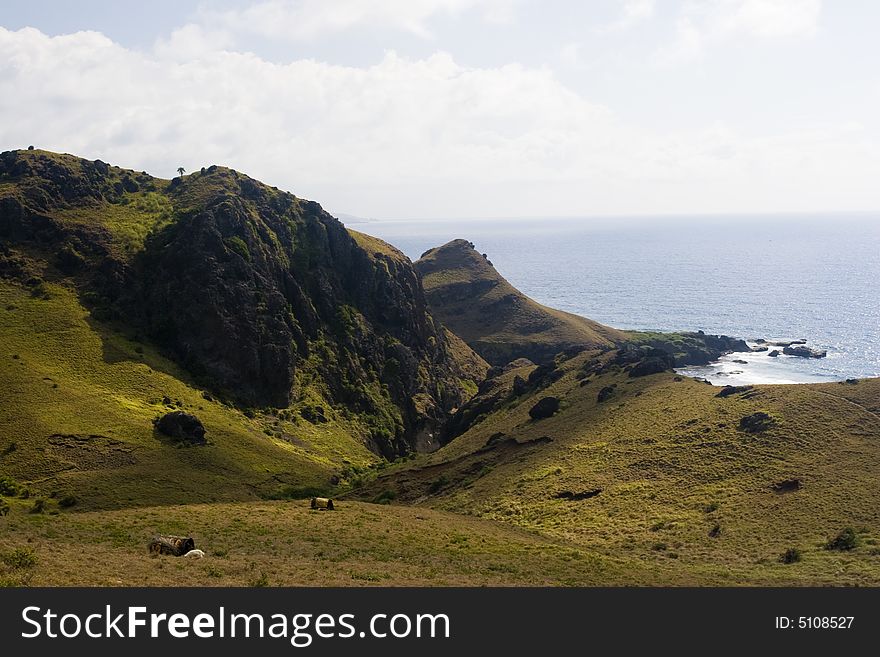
(262, 296)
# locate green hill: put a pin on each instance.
(306, 356)
(310, 357)
(707, 485)
(498, 321)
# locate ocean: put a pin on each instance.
(772, 277)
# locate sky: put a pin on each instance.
(404, 109)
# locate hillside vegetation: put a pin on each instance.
(499, 322)
(261, 297)
(705, 484)
(321, 361)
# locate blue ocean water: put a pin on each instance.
(772, 277)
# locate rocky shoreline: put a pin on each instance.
(796, 348)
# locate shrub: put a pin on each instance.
(298, 493)
(438, 483)
(4, 507)
(845, 540)
(67, 501)
(11, 447)
(385, 497)
(19, 558)
(261, 581)
(239, 246)
(791, 555)
(38, 507)
(8, 486)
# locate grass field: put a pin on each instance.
(286, 543)
(662, 472)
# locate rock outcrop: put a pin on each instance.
(182, 426)
(803, 351)
(544, 408)
(264, 297)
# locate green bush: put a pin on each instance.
(8, 486)
(298, 493)
(438, 483)
(19, 558)
(238, 245)
(38, 507)
(67, 501)
(385, 497)
(845, 540)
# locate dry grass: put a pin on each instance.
(681, 486)
(288, 544)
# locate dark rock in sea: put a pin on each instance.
(760, 341)
(802, 351)
(605, 394)
(787, 343)
(760, 349)
(545, 408)
(182, 426)
(756, 422)
(774, 353)
(727, 391)
(741, 362)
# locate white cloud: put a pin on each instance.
(632, 13)
(309, 19)
(417, 137)
(704, 23)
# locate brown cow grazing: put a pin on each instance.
(176, 546)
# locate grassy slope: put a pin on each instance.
(285, 543)
(672, 465)
(499, 322)
(666, 454)
(63, 373)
